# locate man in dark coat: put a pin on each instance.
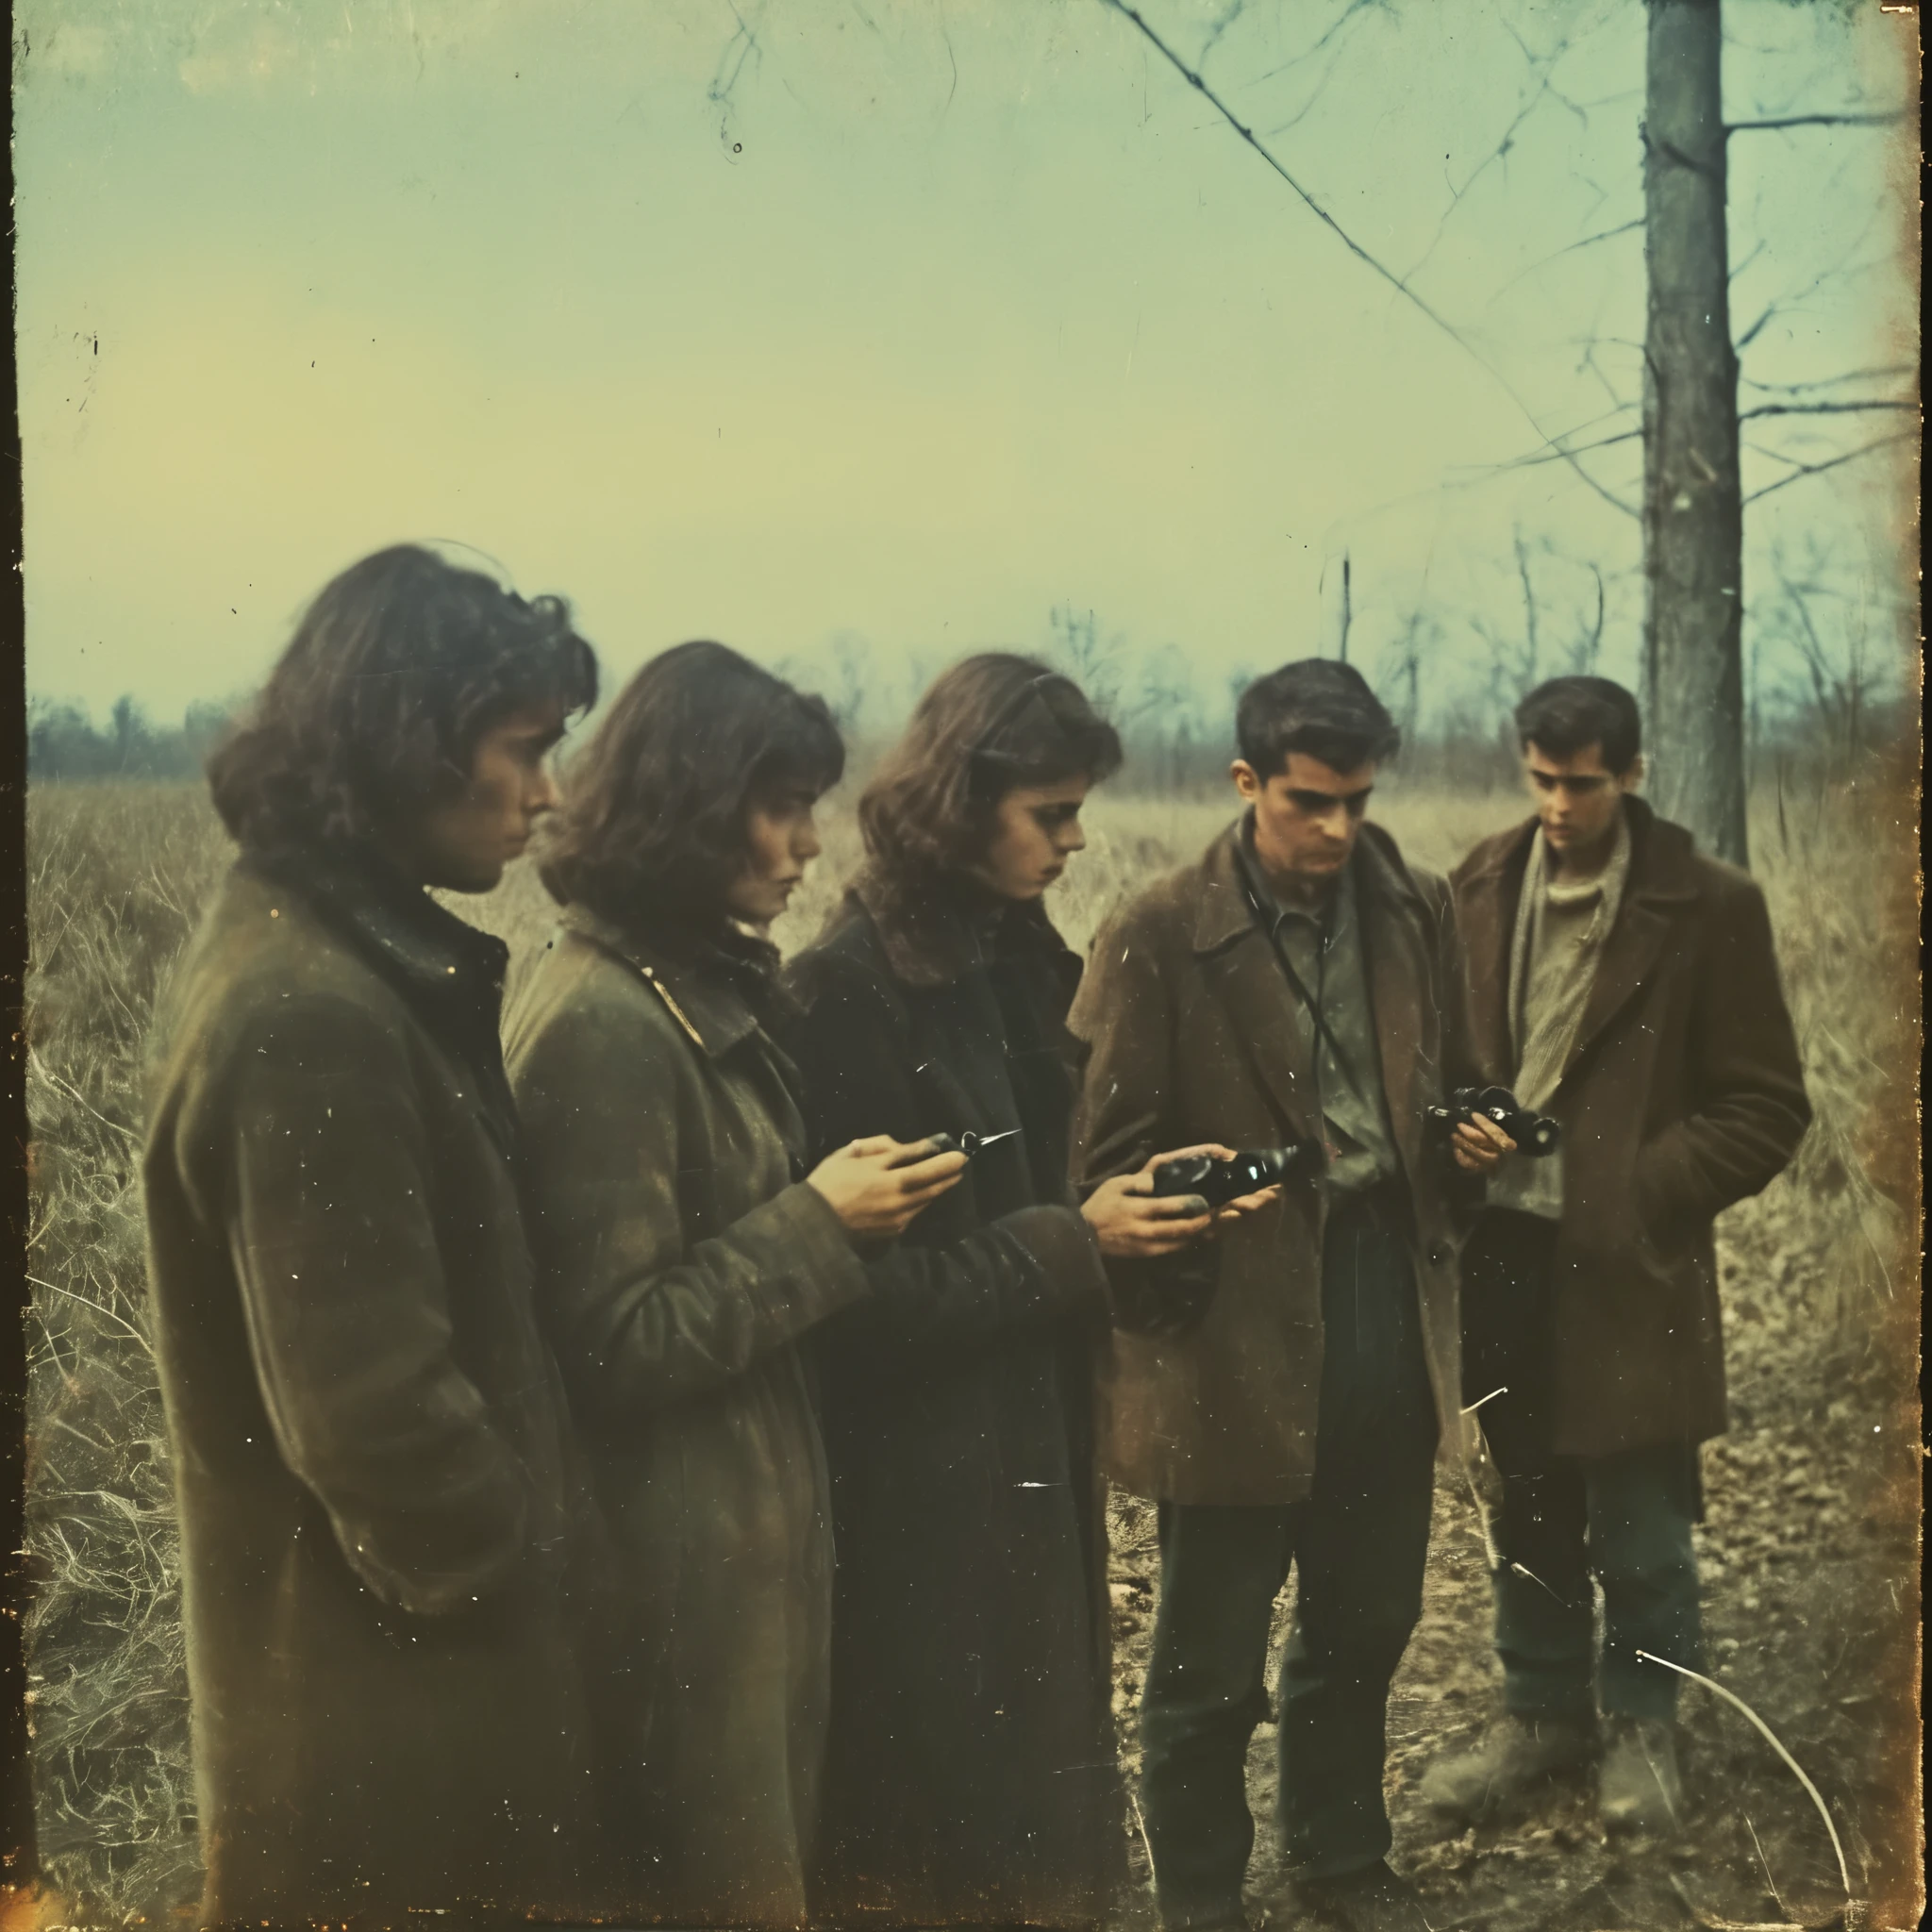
(372, 1453)
(1282, 1394)
(1626, 983)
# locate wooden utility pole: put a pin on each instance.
(1692, 507)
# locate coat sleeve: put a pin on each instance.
(642, 1316)
(1462, 1192)
(1025, 1269)
(1460, 1067)
(1123, 1011)
(1748, 1112)
(327, 1206)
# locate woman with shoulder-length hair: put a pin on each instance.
(972, 1771)
(683, 1249)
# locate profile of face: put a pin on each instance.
(1036, 829)
(1306, 817)
(1577, 798)
(781, 838)
(463, 844)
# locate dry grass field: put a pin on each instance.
(1810, 1543)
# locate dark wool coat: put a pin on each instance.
(972, 1771)
(1195, 1038)
(371, 1448)
(681, 1261)
(1681, 1094)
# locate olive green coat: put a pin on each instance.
(371, 1449)
(681, 1260)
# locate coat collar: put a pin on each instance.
(1236, 956)
(1222, 912)
(935, 931)
(436, 957)
(448, 973)
(1661, 882)
(693, 979)
(1662, 856)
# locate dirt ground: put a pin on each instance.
(1809, 1556)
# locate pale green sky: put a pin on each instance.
(952, 311)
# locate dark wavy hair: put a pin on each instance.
(652, 821)
(987, 726)
(1563, 716)
(375, 709)
(1317, 706)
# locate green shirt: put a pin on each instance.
(1324, 944)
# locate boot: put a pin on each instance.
(1512, 1765)
(1638, 1786)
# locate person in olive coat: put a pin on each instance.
(972, 1774)
(381, 1533)
(685, 1252)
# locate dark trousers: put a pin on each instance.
(1359, 1544)
(1624, 1520)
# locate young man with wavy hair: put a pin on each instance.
(1281, 1393)
(1626, 983)
(371, 1447)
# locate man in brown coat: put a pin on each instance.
(1282, 1394)
(371, 1448)
(1626, 983)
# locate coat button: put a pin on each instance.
(1439, 1253)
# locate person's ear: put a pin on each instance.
(1246, 780)
(1631, 779)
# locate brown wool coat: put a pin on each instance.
(682, 1262)
(1682, 1094)
(1194, 1038)
(371, 1448)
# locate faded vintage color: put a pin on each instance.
(1171, 340)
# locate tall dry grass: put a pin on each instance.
(117, 876)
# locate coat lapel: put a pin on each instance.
(1399, 974)
(1485, 902)
(710, 1013)
(1236, 961)
(1659, 887)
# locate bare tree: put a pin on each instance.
(1589, 635)
(1700, 446)
(1693, 516)
(1402, 667)
(1530, 665)
(1096, 664)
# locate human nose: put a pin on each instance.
(543, 794)
(806, 845)
(1070, 836)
